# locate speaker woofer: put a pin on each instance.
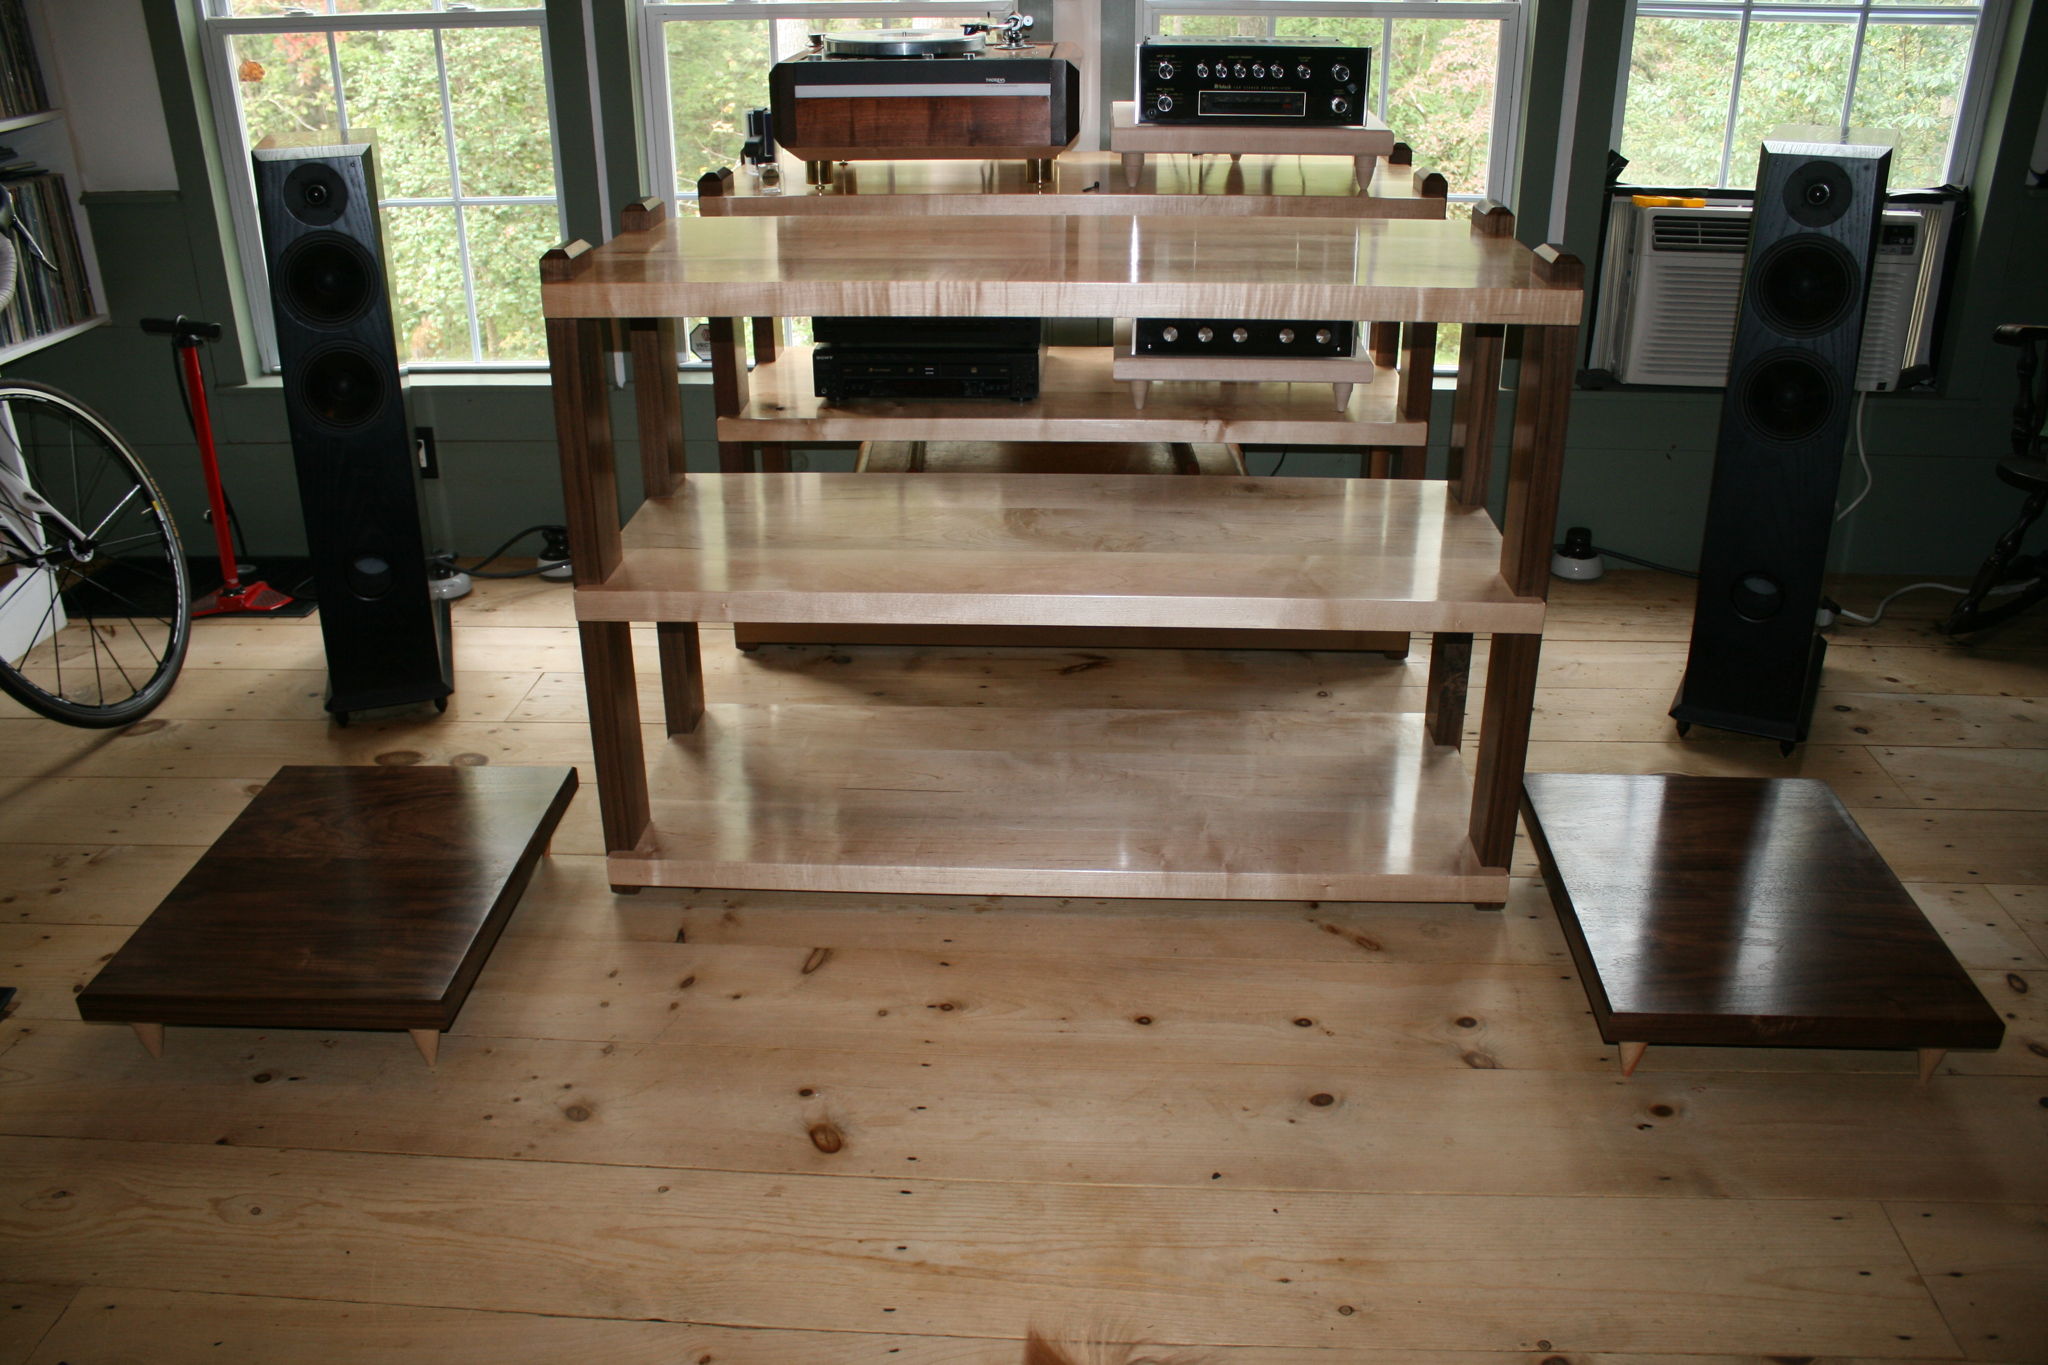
(1805, 285)
(328, 280)
(342, 386)
(1787, 395)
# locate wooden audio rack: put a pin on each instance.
(1163, 803)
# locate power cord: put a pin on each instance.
(1877, 615)
(1862, 455)
(1645, 563)
(554, 555)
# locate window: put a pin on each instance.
(456, 97)
(707, 64)
(1708, 80)
(1445, 72)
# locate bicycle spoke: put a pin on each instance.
(36, 635)
(138, 537)
(18, 585)
(135, 606)
(94, 533)
(118, 665)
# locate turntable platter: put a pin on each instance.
(901, 42)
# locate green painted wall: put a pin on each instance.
(1638, 462)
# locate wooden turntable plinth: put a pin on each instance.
(998, 104)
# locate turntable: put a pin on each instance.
(927, 95)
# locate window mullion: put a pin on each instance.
(1734, 98)
(1386, 65)
(334, 76)
(1855, 69)
(476, 336)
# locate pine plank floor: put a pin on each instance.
(750, 1128)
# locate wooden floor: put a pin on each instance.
(777, 1129)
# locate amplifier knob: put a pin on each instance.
(1240, 335)
(1322, 336)
(1340, 73)
(1286, 335)
(1258, 71)
(1164, 71)
(1238, 71)
(1205, 334)
(1339, 105)
(1303, 71)
(1164, 104)
(1202, 70)
(1169, 334)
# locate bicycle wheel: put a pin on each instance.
(94, 625)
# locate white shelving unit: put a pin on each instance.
(45, 137)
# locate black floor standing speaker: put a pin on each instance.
(386, 634)
(1755, 660)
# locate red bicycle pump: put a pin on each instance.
(233, 596)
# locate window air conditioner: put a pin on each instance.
(1673, 300)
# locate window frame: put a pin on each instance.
(657, 112)
(1979, 74)
(1504, 139)
(218, 31)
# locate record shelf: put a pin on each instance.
(1073, 803)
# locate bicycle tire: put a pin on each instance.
(116, 609)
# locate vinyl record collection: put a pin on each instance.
(21, 75)
(44, 299)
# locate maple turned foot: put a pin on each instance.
(1343, 396)
(1631, 1053)
(1134, 167)
(428, 1041)
(152, 1036)
(1930, 1058)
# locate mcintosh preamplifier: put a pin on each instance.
(1305, 82)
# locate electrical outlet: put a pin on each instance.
(424, 454)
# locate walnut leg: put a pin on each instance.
(614, 705)
(729, 386)
(682, 675)
(774, 457)
(1418, 376)
(152, 1036)
(428, 1041)
(583, 429)
(1383, 339)
(1631, 1053)
(1450, 668)
(1535, 473)
(657, 402)
(1930, 1059)
(1503, 746)
(1475, 413)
